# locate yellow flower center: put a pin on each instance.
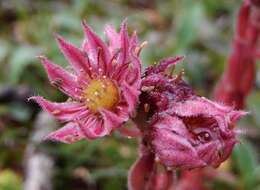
(101, 93)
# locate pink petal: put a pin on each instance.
(131, 96)
(236, 115)
(163, 65)
(140, 172)
(75, 56)
(92, 127)
(70, 133)
(199, 106)
(133, 77)
(174, 124)
(135, 73)
(208, 152)
(133, 41)
(122, 65)
(113, 37)
(61, 78)
(97, 44)
(124, 43)
(67, 111)
(173, 149)
(112, 120)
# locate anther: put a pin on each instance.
(55, 112)
(96, 93)
(157, 159)
(146, 108)
(147, 88)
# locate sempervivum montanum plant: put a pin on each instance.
(178, 129)
(103, 87)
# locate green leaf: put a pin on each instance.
(188, 23)
(246, 164)
(21, 57)
(253, 103)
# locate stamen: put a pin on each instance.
(179, 76)
(139, 48)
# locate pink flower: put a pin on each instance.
(103, 87)
(185, 131)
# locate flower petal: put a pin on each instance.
(140, 172)
(63, 111)
(70, 133)
(236, 115)
(208, 153)
(75, 56)
(97, 44)
(60, 78)
(163, 65)
(124, 43)
(92, 127)
(172, 149)
(134, 75)
(122, 65)
(199, 106)
(131, 96)
(111, 120)
(113, 37)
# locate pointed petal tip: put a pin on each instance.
(58, 37)
(52, 138)
(237, 114)
(44, 60)
(85, 26)
(68, 134)
(125, 21)
(35, 98)
(41, 57)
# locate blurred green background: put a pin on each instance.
(201, 30)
